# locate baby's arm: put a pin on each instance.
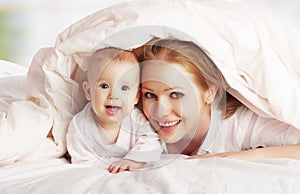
(147, 146)
(125, 165)
(81, 152)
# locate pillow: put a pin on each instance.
(11, 69)
(12, 83)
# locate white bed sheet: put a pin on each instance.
(209, 176)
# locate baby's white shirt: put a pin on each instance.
(136, 140)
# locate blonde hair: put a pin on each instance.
(196, 62)
(101, 58)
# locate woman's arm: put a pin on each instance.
(258, 154)
(261, 139)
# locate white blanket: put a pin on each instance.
(256, 51)
(208, 176)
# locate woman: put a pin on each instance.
(184, 98)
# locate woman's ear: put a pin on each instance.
(87, 90)
(210, 94)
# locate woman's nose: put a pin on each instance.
(160, 108)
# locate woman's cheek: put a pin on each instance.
(146, 110)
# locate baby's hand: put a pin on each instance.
(124, 165)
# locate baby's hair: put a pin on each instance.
(101, 58)
(196, 62)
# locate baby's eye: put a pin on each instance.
(104, 86)
(176, 95)
(125, 88)
(149, 95)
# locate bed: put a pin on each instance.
(257, 51)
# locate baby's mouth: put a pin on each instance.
(112, 110)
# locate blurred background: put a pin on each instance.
(28, 25)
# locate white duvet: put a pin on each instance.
(208, 176)
(258, 53)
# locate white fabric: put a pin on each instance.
(8, 69)
(15, 138)
(12, 84)
(246, 130)
(12, 88)
(209, 176)
(136, 140)
(257, 52)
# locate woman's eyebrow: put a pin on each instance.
(173, 88)
(143, 87)
(165, 90)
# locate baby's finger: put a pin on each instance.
(131, 168)
(122, 169)
(115, 169)
(110, 168)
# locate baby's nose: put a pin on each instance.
(113, 94)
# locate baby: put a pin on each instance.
(110, 131)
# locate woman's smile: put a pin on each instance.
(168, 127)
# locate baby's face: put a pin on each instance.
(115, 93)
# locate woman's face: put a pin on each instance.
(172, 102)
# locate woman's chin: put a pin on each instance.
(168, 138)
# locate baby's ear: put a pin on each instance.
(87, 90)
(210, 94)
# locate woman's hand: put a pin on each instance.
(253, 155)
(124, 165)
(258, 154)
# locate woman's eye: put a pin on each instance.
(104, 86)
(176, 95)
(125, 88)
(149, 95)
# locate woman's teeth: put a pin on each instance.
(169, 124)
